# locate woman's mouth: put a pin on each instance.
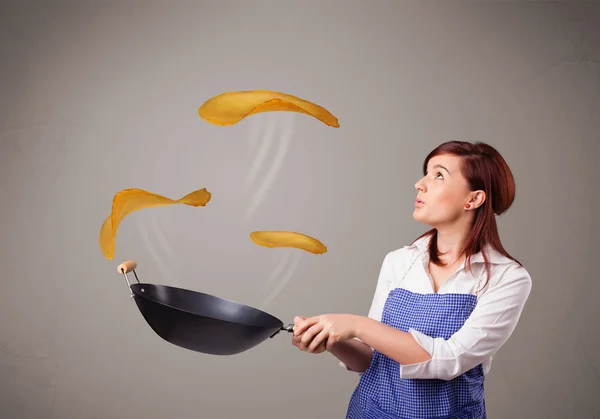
(419, 203)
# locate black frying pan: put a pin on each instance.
(201, 322)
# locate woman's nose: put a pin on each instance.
(419, 186)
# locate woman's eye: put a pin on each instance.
(439, 174)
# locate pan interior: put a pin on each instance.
(206, 305)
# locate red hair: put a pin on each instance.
(484, 169)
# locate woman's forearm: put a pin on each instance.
(355, 354)
(396, 344)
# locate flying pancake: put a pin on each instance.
(129, 200)
(229, 108)
(288, 239)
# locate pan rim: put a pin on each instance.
(135, 290)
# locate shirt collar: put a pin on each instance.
(494, 256)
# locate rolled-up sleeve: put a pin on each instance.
(490, 325)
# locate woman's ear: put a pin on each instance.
(477, 199)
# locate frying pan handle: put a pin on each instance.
(289, 328)
(126, 267)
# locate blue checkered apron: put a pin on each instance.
(382, 394)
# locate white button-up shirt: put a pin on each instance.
(499, 306)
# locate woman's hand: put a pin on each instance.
(325, 330)
(297, 338)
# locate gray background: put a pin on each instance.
(97, 97)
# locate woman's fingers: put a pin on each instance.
(315, 349)
(312, 331)
(309, 334)
(318, 341)
(305, 324)
(297, 342)
(298, 320)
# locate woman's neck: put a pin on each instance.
(450, 242)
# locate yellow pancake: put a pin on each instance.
(130, 200)
(229, 108)
(288, 239)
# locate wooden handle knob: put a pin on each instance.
(127, 266)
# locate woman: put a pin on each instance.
(443, 306)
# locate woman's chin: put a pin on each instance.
(418, 215)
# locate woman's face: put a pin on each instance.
(442, 193)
